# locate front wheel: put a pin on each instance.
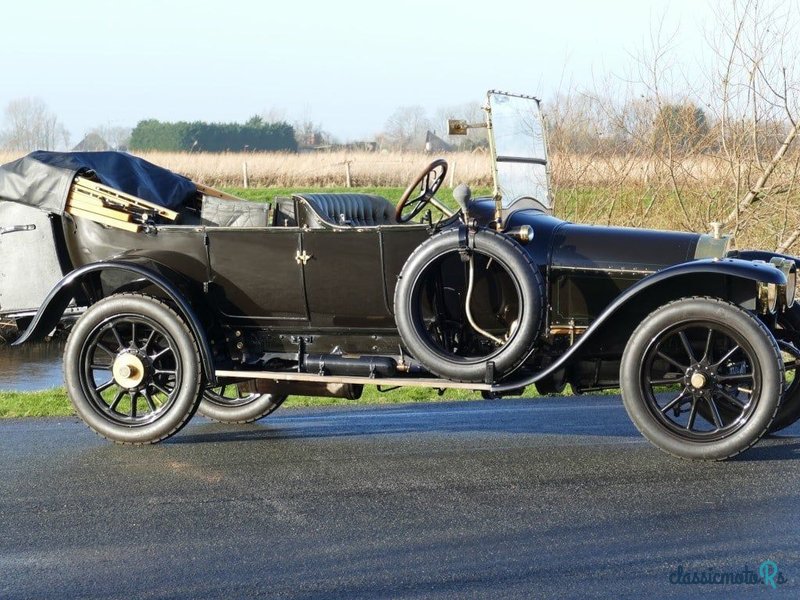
(132, 369)
(701, 378)
(232, 404)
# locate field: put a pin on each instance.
(680, 193)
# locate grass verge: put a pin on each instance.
(54, 402)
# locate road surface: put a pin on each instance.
(544, 498)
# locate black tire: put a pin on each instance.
(530, 292)
(727, 349)
(227, 405)
(788, 334)
(145, 344)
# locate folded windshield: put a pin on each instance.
(520, 151)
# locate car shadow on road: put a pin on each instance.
(603, 418)
(772, 448)
(602, 421)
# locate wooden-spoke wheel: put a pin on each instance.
(233, 403)
(132, 369)
(788, 336)
(702, 378)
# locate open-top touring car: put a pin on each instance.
(184, 293)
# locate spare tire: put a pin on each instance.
(415, 286)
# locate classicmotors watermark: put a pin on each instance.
(767, 573)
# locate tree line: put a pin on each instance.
(198, 136)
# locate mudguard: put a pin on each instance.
(53, 307)
(762, 255)
(731, 267)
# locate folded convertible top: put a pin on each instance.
(43, 179)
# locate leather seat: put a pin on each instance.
(357, 210)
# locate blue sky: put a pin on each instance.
(347, 64)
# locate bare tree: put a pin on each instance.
(115, 136)
(472, 112)
(30, 125)
(758, 86)
(405, 129)
(309, 133)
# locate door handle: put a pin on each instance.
(14, 228)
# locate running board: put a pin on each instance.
(391, 381)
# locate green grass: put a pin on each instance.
(390, 193)
(54, 402)
(45, 403)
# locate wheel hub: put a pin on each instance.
(129, 370)
(698, 380)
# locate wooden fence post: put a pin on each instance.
(348, 179)
(452, 175)
(245, 176)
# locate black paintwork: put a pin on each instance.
(133, 270)
(249, 300)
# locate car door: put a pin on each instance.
(344, 278)
(256, 273)
(351, 273)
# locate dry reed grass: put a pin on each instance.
(609, 190)
(319, 169)
(396, 169)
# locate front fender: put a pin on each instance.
(762, 255)
(53, 307)
(731, 267)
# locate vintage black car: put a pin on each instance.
(187, 298)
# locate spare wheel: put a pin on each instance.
(506, 304)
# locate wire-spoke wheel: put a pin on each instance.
(132, 369)
(702, 378)
(233, 403)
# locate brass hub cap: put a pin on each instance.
(128, 370)
(698, 380)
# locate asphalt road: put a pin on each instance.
(553, 498)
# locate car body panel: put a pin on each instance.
(254, 274)
(312, 282)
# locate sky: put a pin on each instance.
(346, 64)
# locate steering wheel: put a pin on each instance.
(426, 185)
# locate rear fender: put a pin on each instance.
(138, 276)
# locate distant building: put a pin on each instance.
(433, 143)
(92, 143)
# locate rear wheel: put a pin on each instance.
(232, 404)
(132, 369)
(701, 378)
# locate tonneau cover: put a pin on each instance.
(42, 179)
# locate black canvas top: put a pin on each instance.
(42, 179)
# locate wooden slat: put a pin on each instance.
(101, 189)
(401, 381)
(132, 227)
(210, 191)
(106, 202)
(95, 188)
(124, 203)
(80, 203)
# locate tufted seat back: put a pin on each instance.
(359, 210)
